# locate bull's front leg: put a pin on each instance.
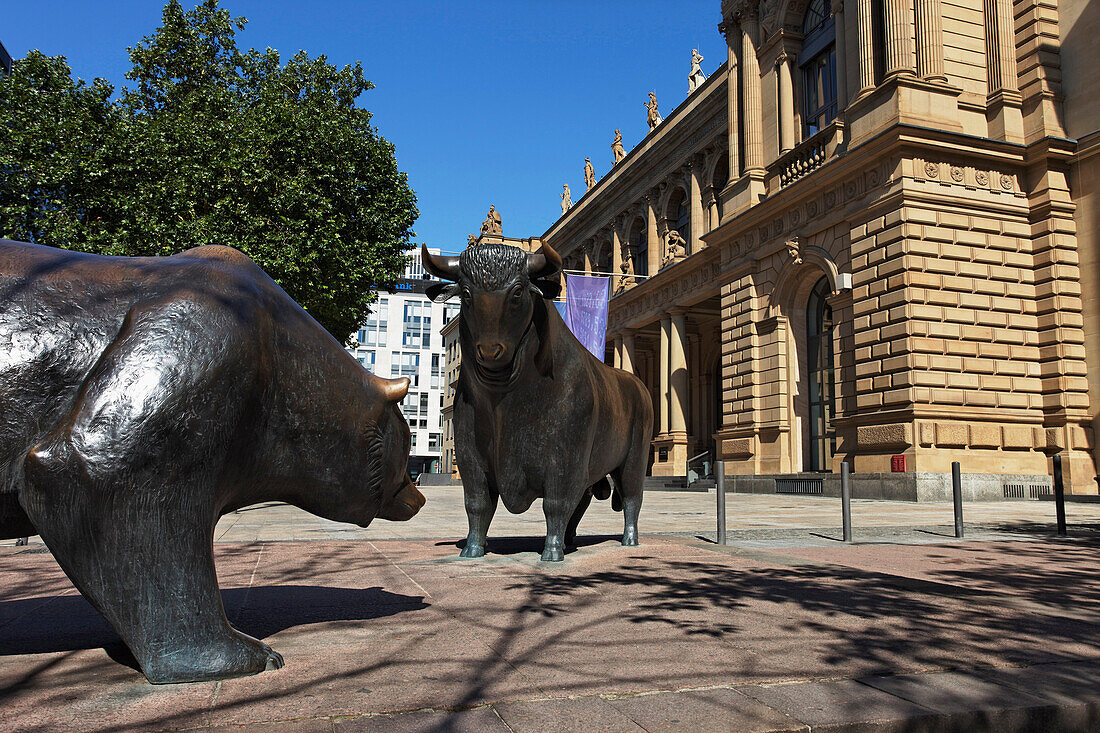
(481, 504)
(557, 511)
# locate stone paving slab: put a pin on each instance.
(403, 635)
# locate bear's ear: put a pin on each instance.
(440, 292)
(394, 390)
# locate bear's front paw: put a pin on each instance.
(236, 655)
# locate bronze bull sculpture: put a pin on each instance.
(535, 414)
(142, 398)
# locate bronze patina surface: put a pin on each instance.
(142, 398)
(536, 415)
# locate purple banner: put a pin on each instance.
(586, 304)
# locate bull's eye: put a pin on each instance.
(517, 294)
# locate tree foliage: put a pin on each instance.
(210, 145)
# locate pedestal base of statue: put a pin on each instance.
(670, 454)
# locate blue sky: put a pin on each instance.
(487, 102)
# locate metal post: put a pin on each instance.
(720, 474)
(1059, 496)
(957, 497)
(845, 502)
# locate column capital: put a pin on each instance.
(782, 58)
(837, 8)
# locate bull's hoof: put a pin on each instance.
(553, 554)
(630, 538)
(237, 656)
(472, 551)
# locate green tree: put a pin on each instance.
(211, 145)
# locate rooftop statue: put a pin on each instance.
(617, 147)
(696, 77)
(653, 117)
(145, 397)
(535, 414)
(589, 174)
(566, 198)
(491, 225)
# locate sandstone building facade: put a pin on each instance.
(889, 216)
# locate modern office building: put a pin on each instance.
(401, 338)
(5, 60)
(891, 251)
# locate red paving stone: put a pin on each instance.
(392, 627)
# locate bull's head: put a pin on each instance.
(499, 286)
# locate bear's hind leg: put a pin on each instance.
(124, 493)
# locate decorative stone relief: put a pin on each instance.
(793, 252)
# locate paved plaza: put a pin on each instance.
(785, 629)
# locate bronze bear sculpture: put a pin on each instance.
(142, 398)
(535, 414)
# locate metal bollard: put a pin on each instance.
(1059, 496)
(957, 497)
(845, 502)
(720, 474)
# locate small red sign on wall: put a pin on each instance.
(897, 464)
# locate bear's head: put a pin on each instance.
(387, 444)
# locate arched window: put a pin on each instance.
(819, 357)
(817, 60)
(721, 178)
(639, 246)
(680, 211)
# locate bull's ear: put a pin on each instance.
(443, 267)
(543, 264)
(548, 289)
(440, 292)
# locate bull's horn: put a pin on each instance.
(394, 390)
(543, 264)
(439, 265)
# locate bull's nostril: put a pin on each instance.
(493, 351)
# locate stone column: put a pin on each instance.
(841, 57)
(629, 357)
(617, 359)
(866, 48)
(663, 376)
(786, 103)
(899, 39)
(753, 109)
(587, 249)
(695, 194)
(653, 253)
(732, 33)
(1004, 102)
(1000, 50)
(678, 376)
(930, 40)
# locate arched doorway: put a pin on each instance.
(819, 438)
